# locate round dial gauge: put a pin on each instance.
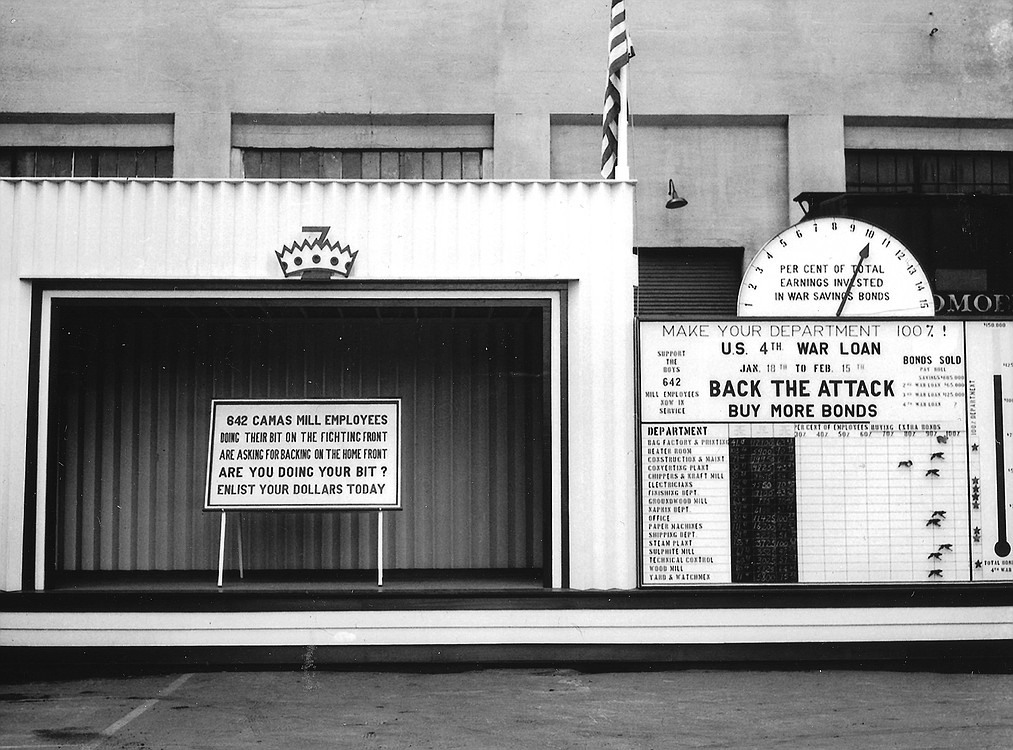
(834, 267)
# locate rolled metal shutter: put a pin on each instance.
(695, 282)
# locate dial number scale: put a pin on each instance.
(834, 267)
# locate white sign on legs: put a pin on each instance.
(304, 455)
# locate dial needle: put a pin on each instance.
(858, 269)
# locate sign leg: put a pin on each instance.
(221, 553)
(240, 537)
(379, 548)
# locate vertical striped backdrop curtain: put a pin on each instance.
(132, 395)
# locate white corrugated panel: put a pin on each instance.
(15, 331)
(229, 230)
(404, 231)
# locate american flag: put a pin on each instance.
(620, 53)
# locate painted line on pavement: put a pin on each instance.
(116, 726)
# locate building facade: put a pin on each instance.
(160, 166)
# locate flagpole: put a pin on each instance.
(615, 115)
(622, 157)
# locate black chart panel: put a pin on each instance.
(763, 513)
(825, 452)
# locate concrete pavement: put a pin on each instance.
(511, 708)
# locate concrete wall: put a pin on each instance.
(732, 170)
(803, 64)
(201, 57)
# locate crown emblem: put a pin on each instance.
(316, 258)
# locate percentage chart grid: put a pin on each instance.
(882, 506)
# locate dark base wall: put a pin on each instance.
(24, 664)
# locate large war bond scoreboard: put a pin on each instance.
(778, 451)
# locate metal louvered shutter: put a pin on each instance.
(694, 282)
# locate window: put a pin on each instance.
(364, 164)
(879, 171)
(963, 241)
(85, 162)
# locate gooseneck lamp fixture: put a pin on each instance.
(674, 199)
